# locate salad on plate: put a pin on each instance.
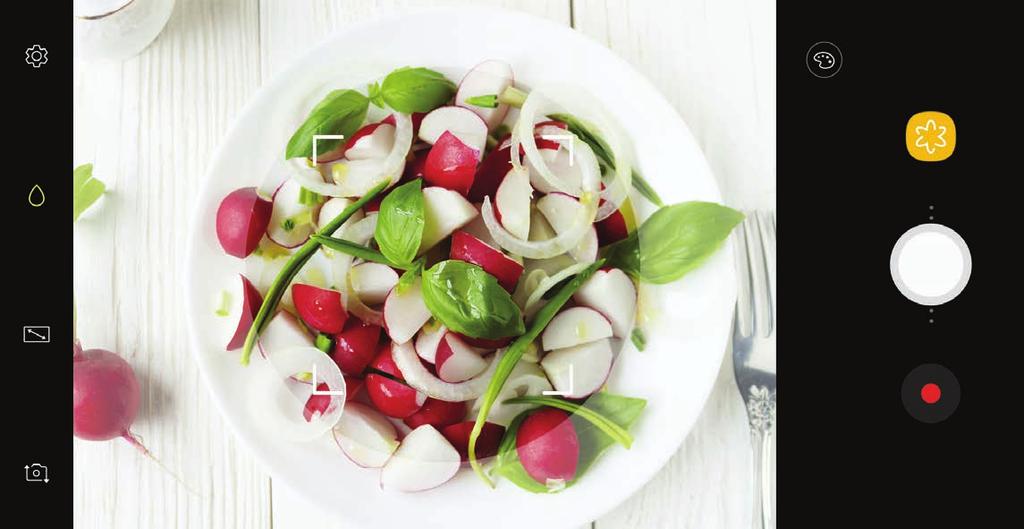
(443, 275)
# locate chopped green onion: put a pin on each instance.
(288, 224)
(308, 198)
(512, 97)
(225, 304)
(324, 342)
(487, 101)
(638, 339)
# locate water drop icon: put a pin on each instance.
(36, 197)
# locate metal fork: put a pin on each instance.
(753, 348)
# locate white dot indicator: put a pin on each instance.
(930, 264)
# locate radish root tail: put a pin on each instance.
(133, 440)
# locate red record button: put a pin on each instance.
(931, 393)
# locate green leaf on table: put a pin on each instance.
(87, 190)
(470, 301)
(340, 112)
(594, 441)
(400, 223)
(673, 241)
(411, 90)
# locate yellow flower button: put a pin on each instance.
(931, 136)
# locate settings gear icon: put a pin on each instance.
(36, 56)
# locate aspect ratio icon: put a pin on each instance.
(824, 59)
(35, 334)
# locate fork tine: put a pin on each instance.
(753, 272)
(744, 303)
(766, 241)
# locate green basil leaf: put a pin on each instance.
(585, 132)
(341, 112)
(411, 90)
(594, 441)
(87, 190)
(410, 275)
(673, 241)
(470, 301)
(400, 223)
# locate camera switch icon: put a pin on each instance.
(37, 472)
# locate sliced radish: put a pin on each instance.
(291, 221)
(549, 128)
(468, 248)
(365, 436)
(548, 447)
(428, 339)
(320, 308)
(242, 218)
(561, 210)
(370, 142)
(353, 385)
(580, 370)
(525, 379)
(451, 164)
(355, 346)
(354, 178)
(373, 281)
(444, 212)
(417, 376)
(485, 344)
(535, 299)
(405, 312)
(251, 301)
(393, 398)
(283, 332)
(612, 293)
(491, 171)
(277, 401)
(424, 460)
(487, 78)
(575, 326)
(456, 361)
(561, 163)
(463, 123)
(437, 413)
(413, 169)
(612, 229)
(477, 228)
(486, 444)
(331, 209)
(512, 203)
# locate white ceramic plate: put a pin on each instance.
(686, 340)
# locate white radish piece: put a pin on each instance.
(580, 370)
(444, 211)
(428, 339)
(468, 127)
(283, 332)
(487, 78)
(456, 361)
(536, 297)
(354, 178)
(419, 378)
(561, 163)
(512, 201)
(560, 211)
(331, 209)
(375, 145)
(277, 401)
(575, 326)
(478, 229)
(291, 221)
(365, 435)
(424, 460)
(525, 379)
(613, 294)
(373, 281)
(405, 312)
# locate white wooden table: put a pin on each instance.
(150, 126)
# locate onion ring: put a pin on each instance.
(418, 377)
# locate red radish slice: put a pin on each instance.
(549, 128)
(612, 229)
(414, 169)
(291, 221)
(242, 218)
(373, 141)
(424, 460)
(277, 401)
(468, 248)
(484, 343)
(320, 308)
(561, 210)
(463, 123)
(251, 301)
(373, 281)
(451, 164)
(491, 171)
(365, 436)
(355, 346)
(354, 178)
(486, 444)
(417, 118)
(525, 379)
(456, 361)
(477, 228)
(417, 376)
(353, 385)
(437, 413)
(575, 326)
(613, 294)
(385, 364)
(428, 339)
(580, 370)
(316, 405)
(393, 398)
(548, 447)
(487, 78)
(283, 332)
(405, 312)
(444, 212)
(512, 203)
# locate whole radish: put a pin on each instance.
(106, 396)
